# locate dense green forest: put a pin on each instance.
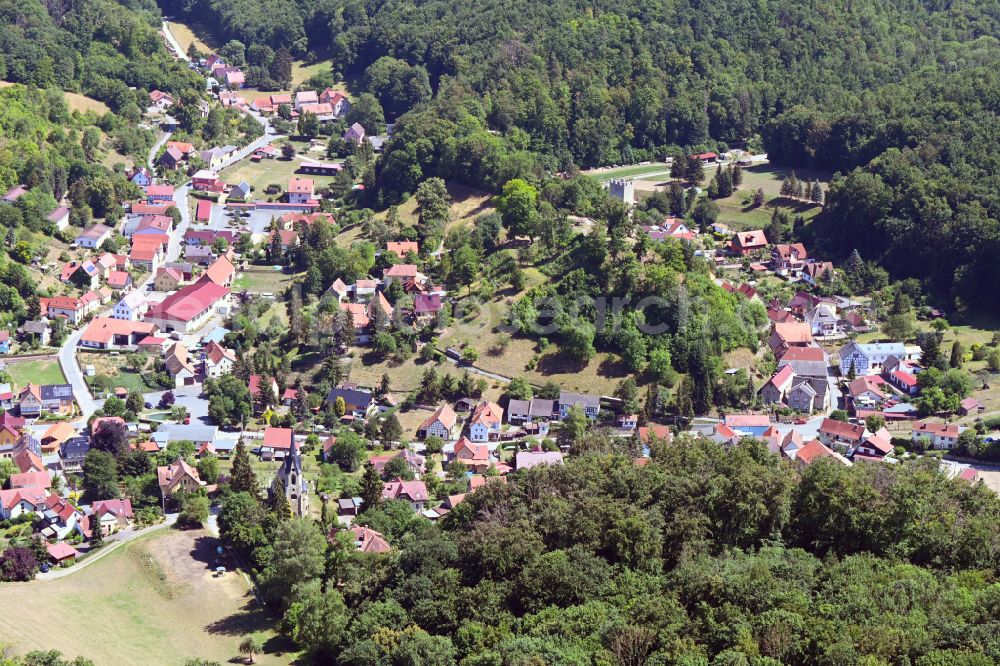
(903, 93)
(98, 47)
(703, 556)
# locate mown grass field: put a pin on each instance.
(631, 171)
(192, 33)
(156, 601)
(277, 171)
(264, 280)
(42, 371)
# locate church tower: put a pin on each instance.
(296, 486)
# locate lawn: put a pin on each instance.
(116, 369)
(43, 371)
(264, 280)
(738, 212)
(769, 177)
(634, 171)
(158, 601)
(278, 171)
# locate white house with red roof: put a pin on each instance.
(485, 422)
(187, 309)
(301, 190)
(941, 435)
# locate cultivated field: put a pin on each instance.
(155, 601)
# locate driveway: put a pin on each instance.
(189, 397)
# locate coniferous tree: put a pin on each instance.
(279, 502)
(242, 476)
(371, 487)
(96, 534)
(956, 354)
(737, 172)
(679, 168)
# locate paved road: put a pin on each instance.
(156, 147)
(74, 375)
(112, 543)
(173, 43)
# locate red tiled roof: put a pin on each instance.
(842, 429)
(188, 302)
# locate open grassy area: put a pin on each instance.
(738, 212)
(116, 369)
(156, 598)
(83, 104)
(264, 280)
(279, 171)
(632, 171)
(191, 33)
(42, 371)
(769, 177)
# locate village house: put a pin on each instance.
(358, 402)
(530, 411)
(366, 540)
(35, 400)
(109, 333)
(402, 248)
(159, 193)
(815, 271)
(179, 365)
(841, 433)
(59, 217)
(72, 453)
(806, 361)
(38, 331)
(218, 360)
(217, 156)
(414, 462)
(777, 387)
(869, 359)
(476, 457)
(178, 477)
(789, 334)
(440, 424)
(59, 518)
(187, 309)
(877, 445)
(745, 243)
(207, 180)
(276, 443)
(5, 341)
(131, 307)
(112, 515)
(809, 394)
(485, 422)
(167, 279)
(160, 100)
(355, 133)
(414, 492)
(337, 101)
(55, 436)
(788, 258)
(940, 435)
(814, 450)
(17, 501)
(255, 383)
(93, 236)
(300, 191)
(823, 322)
(590, 404)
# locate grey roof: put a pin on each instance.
(526, 459)
(518, 408)
(34, 327)
(805, 368)
(57, 391)
(351, 396)
(587, 401)
(75, 447)
(175, 432)
(543, 407)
